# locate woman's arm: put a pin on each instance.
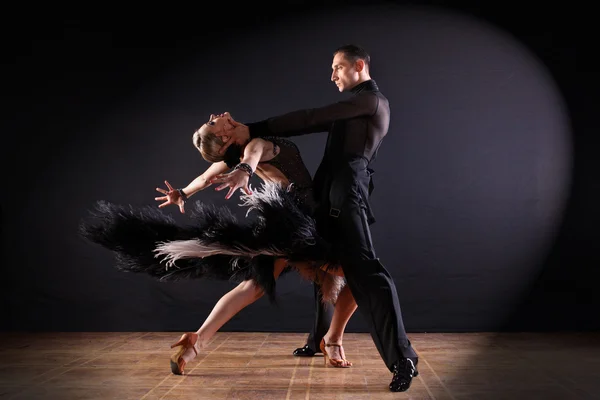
(254, 152)
(173, 196)
(257, 150)
(203, 181)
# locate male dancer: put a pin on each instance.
(342, 183)
(323, 315)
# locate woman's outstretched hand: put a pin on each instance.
(171, 196)
(234, 180)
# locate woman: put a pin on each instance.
(280, 239)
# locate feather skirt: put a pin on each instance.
(215, 244)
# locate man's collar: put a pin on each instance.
(366, 86)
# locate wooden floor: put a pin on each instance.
(260, 366)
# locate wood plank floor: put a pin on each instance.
(260, 366)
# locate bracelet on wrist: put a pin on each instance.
(182, 194)
(244, 167)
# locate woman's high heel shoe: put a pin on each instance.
(186, 341)
(338, 363)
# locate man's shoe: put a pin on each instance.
(304, 351)
(404, 372)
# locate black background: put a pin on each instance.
(486, 187)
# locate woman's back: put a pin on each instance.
(288, 163)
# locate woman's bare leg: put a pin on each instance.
(229, 305)
(344, 308)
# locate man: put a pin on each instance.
(343, 182)
(323, 317)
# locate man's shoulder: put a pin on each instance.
(369, 96)
(382, 97)
(370, 93)
(371, 99)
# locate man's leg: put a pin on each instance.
(374, 291)
(323, 315)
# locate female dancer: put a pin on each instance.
(282, 238)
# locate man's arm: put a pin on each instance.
(313, 120)
(300, 122)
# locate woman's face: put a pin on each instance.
(218, 123)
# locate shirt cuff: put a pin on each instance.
(258, 129)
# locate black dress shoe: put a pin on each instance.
(404, 372)
(304, 351)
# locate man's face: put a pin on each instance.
(345, 74)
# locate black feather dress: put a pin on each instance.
(215, 244)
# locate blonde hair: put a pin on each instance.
(208, 144)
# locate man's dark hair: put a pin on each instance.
(353, 53)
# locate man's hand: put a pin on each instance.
(239, 134)
(171, 196)
(234, 180)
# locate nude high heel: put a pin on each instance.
(186, 341)
(338, 363)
